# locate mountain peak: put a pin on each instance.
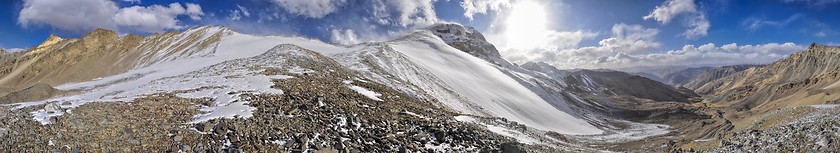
(465, 38)
(100, 33)
(52, 39)
(819, 48)
(456, 32)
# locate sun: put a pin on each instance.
(526, 25)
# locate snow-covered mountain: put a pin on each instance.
(232, 79)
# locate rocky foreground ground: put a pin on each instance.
(817, 131)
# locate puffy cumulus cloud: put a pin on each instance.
(368, 20)
(711, 55)
(694, 19)
(473, 7)
(689, 56)
(155, 18)
(84, 15)
(69, 15)
(631, 38)
(633, 46)
(625, 39)
(310, 8)
(415, 12)
(346, 37)
(379, 20)
(671, 9)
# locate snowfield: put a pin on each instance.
(487, 87)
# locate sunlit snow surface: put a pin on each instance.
(191, 73)
(486, 86)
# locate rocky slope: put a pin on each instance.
(785, 106)
(100, 53)
(619, 83)
(716, 73)
(803, 78)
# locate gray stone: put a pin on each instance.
(52, 107)
(133, 141)
(177, 138)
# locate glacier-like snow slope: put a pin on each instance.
(157, 77)
(486, 86)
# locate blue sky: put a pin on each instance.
(572, 33)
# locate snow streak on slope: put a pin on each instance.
(167, 75)
(485, 86)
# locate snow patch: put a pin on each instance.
(634, 131)
(366, 92)
(361, 90)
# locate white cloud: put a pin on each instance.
(68, 15)
(635, 46)
(472, 7)
(625, 39)
(346, 37)
(237, 14)
(820, 34)
(379, 20)
(244, 10)
(754, 23)
(84, 15)
(695, 20)
(689, 56)
(671, 9)
(419, 13)
(631, 38)
(814, 3)
(132, 1)
(310, 8)
(155, 18)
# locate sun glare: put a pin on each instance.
(526, 26)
